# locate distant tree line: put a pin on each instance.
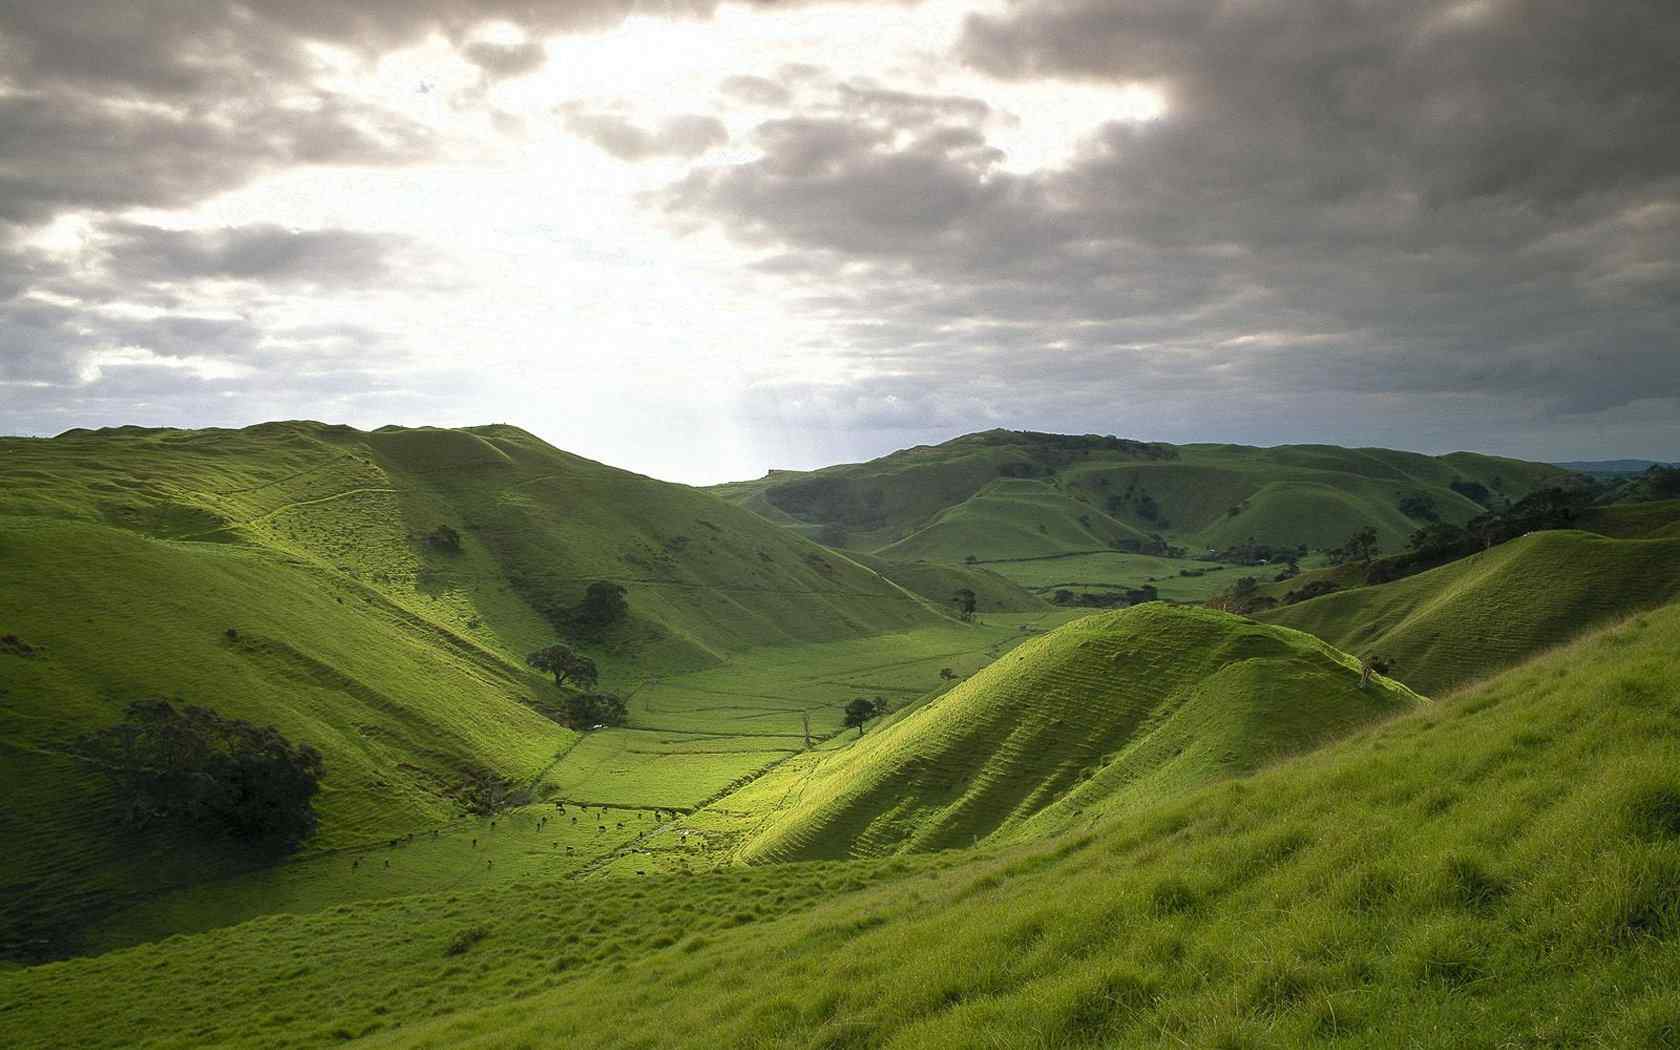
(1106, 599)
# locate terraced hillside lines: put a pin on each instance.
(1472, 617)
(1104, 711)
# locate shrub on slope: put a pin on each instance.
(1477, 615)
(1109, 710)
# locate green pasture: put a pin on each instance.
(1499, 868)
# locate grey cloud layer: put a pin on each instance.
(1391, 200)
(683, 136)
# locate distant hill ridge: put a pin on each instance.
(1002, 495)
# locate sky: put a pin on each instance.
(701, 239)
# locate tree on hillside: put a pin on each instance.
(445, 539)
(1360, 547)
(1472, 490)
(603, 605)
(584, 711)
(966, 603)
(858, 712)
(1419, 505)
(214, 773)
(565, 664)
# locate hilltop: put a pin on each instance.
(1480, 614)
(374, 594)
(1111, 710)
(1020, 494)
(1496, 868)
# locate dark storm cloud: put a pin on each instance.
(683, 136)
(1342, 201)
(73, 152)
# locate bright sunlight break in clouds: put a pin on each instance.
(701, 239)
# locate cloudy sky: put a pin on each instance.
(701, 238)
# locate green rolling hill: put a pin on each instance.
(1474, 616)
(284, 574)
(1288, 495)
(1499, 868)
(1113, 709)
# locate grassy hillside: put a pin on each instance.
(1633, 521)
(937, 582)
(1483, 613)
(1016, 518)
(1113, 709)
(1002, 496)
(126, 556)
(1497, 869)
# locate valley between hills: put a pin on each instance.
(1021, 739)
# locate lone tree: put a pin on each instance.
(565, 664)
(603, 605)
(858, 712)
(219, 775)
(966, 603)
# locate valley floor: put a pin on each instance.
(646, 798)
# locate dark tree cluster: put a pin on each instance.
(566, 665)
(1473, 490)
(1440, 542)
(1360, 547)
(580, 708)
(1308, 591)
(586, 711)
(1106, 599)
(444, 540)
(1419, 505)
(966, 603)
(217, 775)
(1253, 553)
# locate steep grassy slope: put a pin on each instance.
(1063, 493)
(1112, 709)
(1497, 869)
(1479, 614)
(127, 555)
